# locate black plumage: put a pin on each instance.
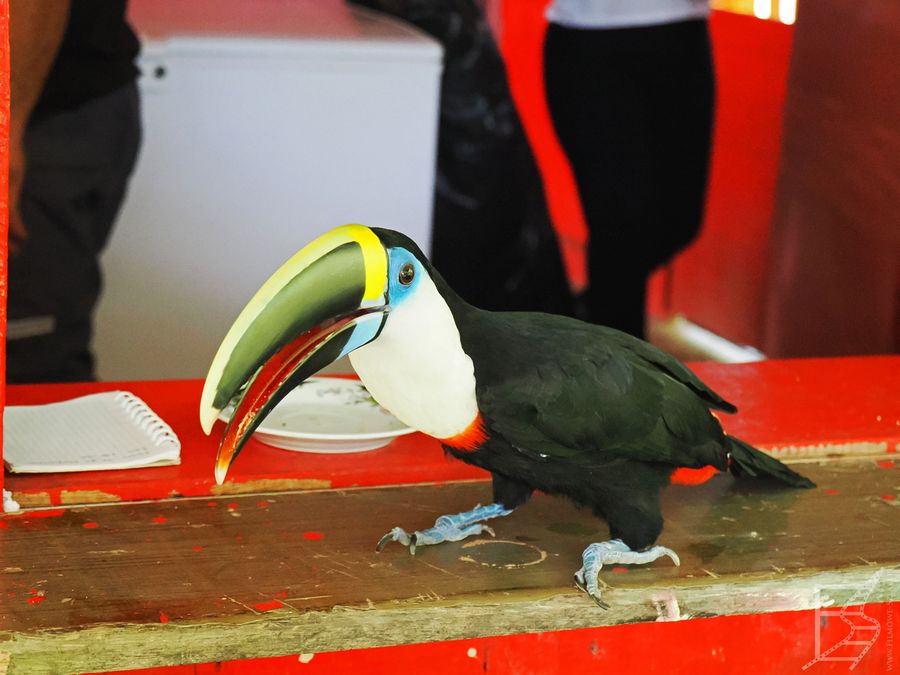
(593, 414)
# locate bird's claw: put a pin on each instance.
(447, 528)
(397, 534)
(614, 551)
(444, 530)
(594, 593)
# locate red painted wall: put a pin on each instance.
(836, 227)
(521, 41)
(720, 281)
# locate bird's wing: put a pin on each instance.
(668, 364)
(581, 393)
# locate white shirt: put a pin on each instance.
(624, 13)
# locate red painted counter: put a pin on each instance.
(799, 405)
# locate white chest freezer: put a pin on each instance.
(266, 123)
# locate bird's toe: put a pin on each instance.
(674, 556)
(397, 534)
(589, 583)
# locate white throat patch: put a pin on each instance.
(417, 368)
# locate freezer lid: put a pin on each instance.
(280, 28)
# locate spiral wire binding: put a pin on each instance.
(140, 413)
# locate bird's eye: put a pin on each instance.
(407, 273)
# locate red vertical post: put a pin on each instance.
(4, 209)
(522, 44)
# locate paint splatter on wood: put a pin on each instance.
(26, 516)
(253, 568)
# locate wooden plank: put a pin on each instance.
(799, 407)
(199, 580)
(780, 642)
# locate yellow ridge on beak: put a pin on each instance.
(326, 289)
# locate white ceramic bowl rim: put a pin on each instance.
(264, 430)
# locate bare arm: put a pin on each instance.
(36, 29)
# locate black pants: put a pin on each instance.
(78, 165)
(632, 108)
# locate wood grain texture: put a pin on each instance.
(199, 580)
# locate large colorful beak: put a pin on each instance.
(323, 303)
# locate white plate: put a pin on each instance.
(328, 415)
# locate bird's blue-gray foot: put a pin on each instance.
(447, 528)
(609, 552)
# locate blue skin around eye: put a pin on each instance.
(397, 258)
(367, 328)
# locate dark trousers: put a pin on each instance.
(633, 111)
(78, 165)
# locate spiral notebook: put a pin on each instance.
(110, 430)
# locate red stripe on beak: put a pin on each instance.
(271, 377)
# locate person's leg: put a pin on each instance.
(599, 109)
(682, 117)
(633, 109)
(78, 166)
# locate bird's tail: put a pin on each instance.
(748, 461)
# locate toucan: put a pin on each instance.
(542, 402)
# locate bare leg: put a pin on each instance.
(447, 528)
(596, 556)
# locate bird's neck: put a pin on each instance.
(417, 367)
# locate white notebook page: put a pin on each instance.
(110, 430)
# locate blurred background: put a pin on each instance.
(267, 122)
